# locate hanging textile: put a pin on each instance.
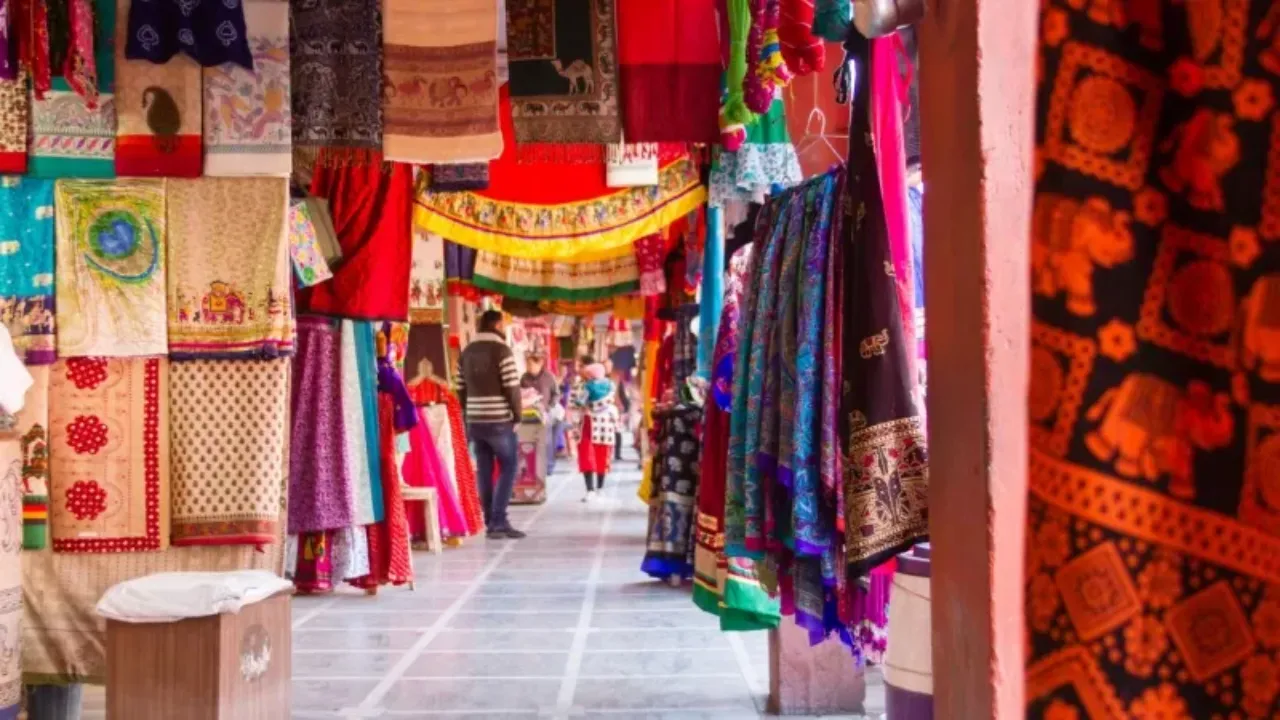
(669, 70)
(735, 26)
(881, 427)
(578, 218)
(15, 108)
(11, 545)
(832, 18)
(631, 165)
(29, 21)
(425, 354)
(32, 433)
(457, 177)
(727, 589)
(1155, 366)
(70, 138)
(459, 268)
(372, 208)
(563, 64)
(307, 256)
(427, 278)
(111, 248)
(766, 161)
(537, 280)
(365, 342)
(367, 498)
(158, 106)
(767, 72)
(440, 81)
(26, 267)
(673, 510)
(335, 67)
(228, 292)
(109, 455)
(316, 561)
(247, 113)
(424, 467)
(321, 494)
(228, 440)
(804, 53)
(211, 33)
(450, 436)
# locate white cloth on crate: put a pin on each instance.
(168, 597)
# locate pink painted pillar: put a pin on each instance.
(977, 74)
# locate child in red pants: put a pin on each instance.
(600, 418)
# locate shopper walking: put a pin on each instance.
(489, 389)
(596, 440)
(537, 376)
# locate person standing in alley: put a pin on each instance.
(596, 436)
(539, 378)
(489, 390)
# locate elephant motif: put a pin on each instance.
(874, 345)
(1206, 149)
(223, 304)
(1069, 238)
(35, 460)
(1260, 328)
(447, 92)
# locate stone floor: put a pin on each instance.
(561, 625)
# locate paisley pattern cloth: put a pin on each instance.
(211, 32)
(228, 292)
(26, 267)
(111, 249)
(70, 138)
(158, 113)
(335, 64)
(109, 455)
(228, 438)
(248, 112)
(1153, 555)
(673, 509)
(321, 496)
(886, 466)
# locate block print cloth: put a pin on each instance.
(111, 268)
(211, 32)
(33, 439)
(158, 113)
(309, 264)
(427, 278)
(227, 435)
(11, 464)
(26, 267)
(15, 109)
(247, 113)
(536, 280)
(228, 293)
(335, 59)
(109, 455)
(440, 81)
(1153, 532)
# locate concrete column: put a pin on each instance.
(977, 75)
(821, 680)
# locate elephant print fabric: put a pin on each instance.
(1153, 553)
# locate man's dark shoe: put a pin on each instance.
(509, 533)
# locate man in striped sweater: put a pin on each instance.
(489, 389)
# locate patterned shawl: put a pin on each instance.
(109, 455)
(563, 64)
(886, 461)
(33, 438)
(111, 250)
(211, 33)
(247, 113)
(228, 293)
(427, 278)
(309, 263)
(69, 137)
(335, 65)
(669, 70)
(440, 81)
(26, 267)
(221, 497)
(15, 107)
(321, 495)
(536, 280)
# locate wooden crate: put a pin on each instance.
(226, 667)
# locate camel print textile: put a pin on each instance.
(563, 63)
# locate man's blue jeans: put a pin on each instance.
(490, 442)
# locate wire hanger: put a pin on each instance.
(810, 136)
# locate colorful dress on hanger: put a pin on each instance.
(423, 467)
(765, 163)
(426, 392)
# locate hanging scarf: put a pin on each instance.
(26, 267)
(563, 71)
(427, 278)
(309, 264)
(71, 138)
(440, 81)
(247, 115)
(537, 280)
(211, 33)
(335, 66)
(15, 109)
(734, 114)
(454, 178)
(668, 71)
(321, 493)
(767, 71)
(881, 428)
(765, 162)
(158, 110)
(832, 18)
(578, 218)
(30, 18)
(803, 52)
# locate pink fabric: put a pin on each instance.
(595, 371)
(423, 468)
(888, 93)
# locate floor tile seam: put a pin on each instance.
(313, 613)
(379, 692)
(746, 667)
(568, 687)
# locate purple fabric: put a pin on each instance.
(8, 68)
(211, 32)
(320, 488)
(390, 382)
(459, 262)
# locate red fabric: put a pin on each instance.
(592, 458)
(389, 561)
(424, 468)
(426, 392)
(803, 53)
(372, 207)
(13, 163)
(313, 573)
(669, 70)
(145, 156)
